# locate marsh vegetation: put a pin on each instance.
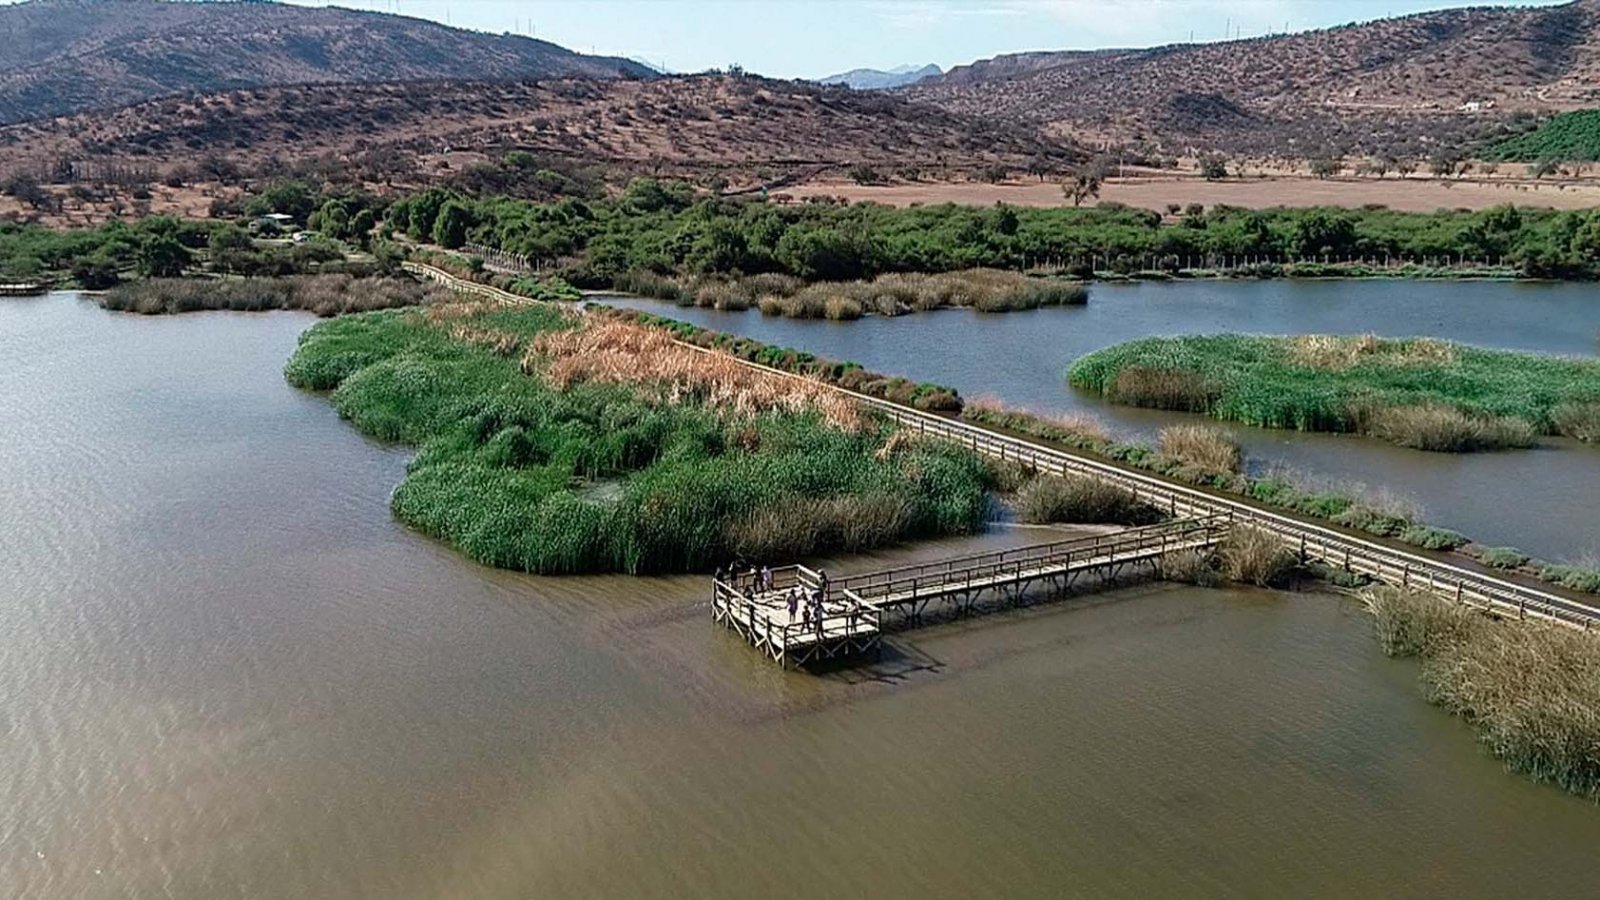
(514, 410)
(1421, 393)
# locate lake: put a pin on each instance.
(225, 671)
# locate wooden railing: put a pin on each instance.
(999, 565)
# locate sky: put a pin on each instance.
(814, 38)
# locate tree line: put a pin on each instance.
(666, 227)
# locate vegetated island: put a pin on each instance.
(1415, 392)
(555, 444)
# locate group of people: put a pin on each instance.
(807, 603)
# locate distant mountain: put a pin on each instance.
(65, 56)
(878, 79)
(1405, 85)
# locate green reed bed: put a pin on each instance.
(508, 466)
(1422, 393)
(1531, 690)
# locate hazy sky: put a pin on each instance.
(812, 38)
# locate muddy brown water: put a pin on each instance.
(226, 672)
(1540, 500)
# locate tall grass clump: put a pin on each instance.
(1211, 449)
(1531, 690)
(1051, 499)
(1418, 392)
(519, 413)
(1253, 556)
(1446, 429)
(1578, 419)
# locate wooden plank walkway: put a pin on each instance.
(856, 608)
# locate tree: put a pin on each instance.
(861, 173)
(1542, 168)
(1085, 183)
(1404, 167)
(27, 190)
(162, 256)
(1326, 167)
(450, 228)
(1382, 165)
(1213, 167)
(1442, 164)
(1039, 166)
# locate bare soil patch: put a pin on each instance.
(1410, 194)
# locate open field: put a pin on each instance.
(1408, 195)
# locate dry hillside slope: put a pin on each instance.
(65, 56)
(1404, 85)
(750, 128)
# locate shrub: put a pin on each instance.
(1503, 558)
(1430, 538)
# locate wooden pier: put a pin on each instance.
(857, 608)
(30, 289)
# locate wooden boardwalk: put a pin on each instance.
(857, 608)
(1448, 578)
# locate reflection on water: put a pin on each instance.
(1540, 500)
(226, 672)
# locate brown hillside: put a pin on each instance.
(65, 56)
(414, 132)
(1404, 85)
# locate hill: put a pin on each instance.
(729, 131)
(1400, 86)
(66, 56)
(1569, 137)
(879, 79)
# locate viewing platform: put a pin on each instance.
(857, 608)
(27, 289)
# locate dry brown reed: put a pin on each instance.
(1049, 499)
(1335, 353)
(1531, 689)
(793, 528)
(607, 350)
(1441, 428)
(1578, 419)
(1254, 556)
(324, 295)
(1176, 389)
(1208, 448)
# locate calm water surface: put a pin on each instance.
(226, 672)
(1542, 501)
